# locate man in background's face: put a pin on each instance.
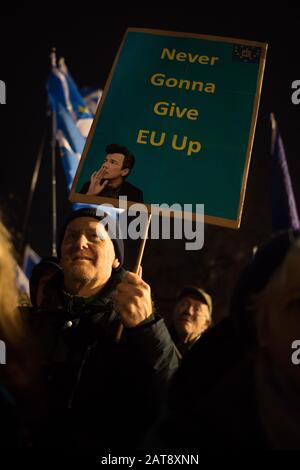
(191, 317)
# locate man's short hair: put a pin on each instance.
(129, 159)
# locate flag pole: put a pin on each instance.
(136, 269)
(34, 180)
(53, 166)
(142, 247)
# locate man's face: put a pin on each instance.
(113, 166)
(191, 317)
(84, 255)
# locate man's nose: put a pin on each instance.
(82, 242)
(187, 312)
(190, 310)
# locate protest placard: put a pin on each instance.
(185, 106)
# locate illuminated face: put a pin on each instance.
(113, 166)
(191, 318)
(85, 256)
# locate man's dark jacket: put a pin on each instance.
(126, 189)
(99, 393)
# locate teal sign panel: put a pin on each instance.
(186, 107)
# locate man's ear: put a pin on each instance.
(125, 172)
(208, 318)
(116, 263)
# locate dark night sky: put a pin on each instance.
(89, 48)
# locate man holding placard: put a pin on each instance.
(100, 393)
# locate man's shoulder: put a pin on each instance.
(127, 185)
(131, 191)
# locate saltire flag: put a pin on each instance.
(22, 282)
(31, 258)
(91, 97)
(284, 207)
(73, 118)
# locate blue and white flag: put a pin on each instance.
(22, 282)
(92, 98)
(74, 114)
(73, 118)
(31, 258)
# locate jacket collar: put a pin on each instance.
(56, 297)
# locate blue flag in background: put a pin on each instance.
(31, 258)
(70, 141)
(74, 114)
(73, 118)
(91, 97)
(284, 208)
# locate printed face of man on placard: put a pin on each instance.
(110, 180)
(113, 167)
